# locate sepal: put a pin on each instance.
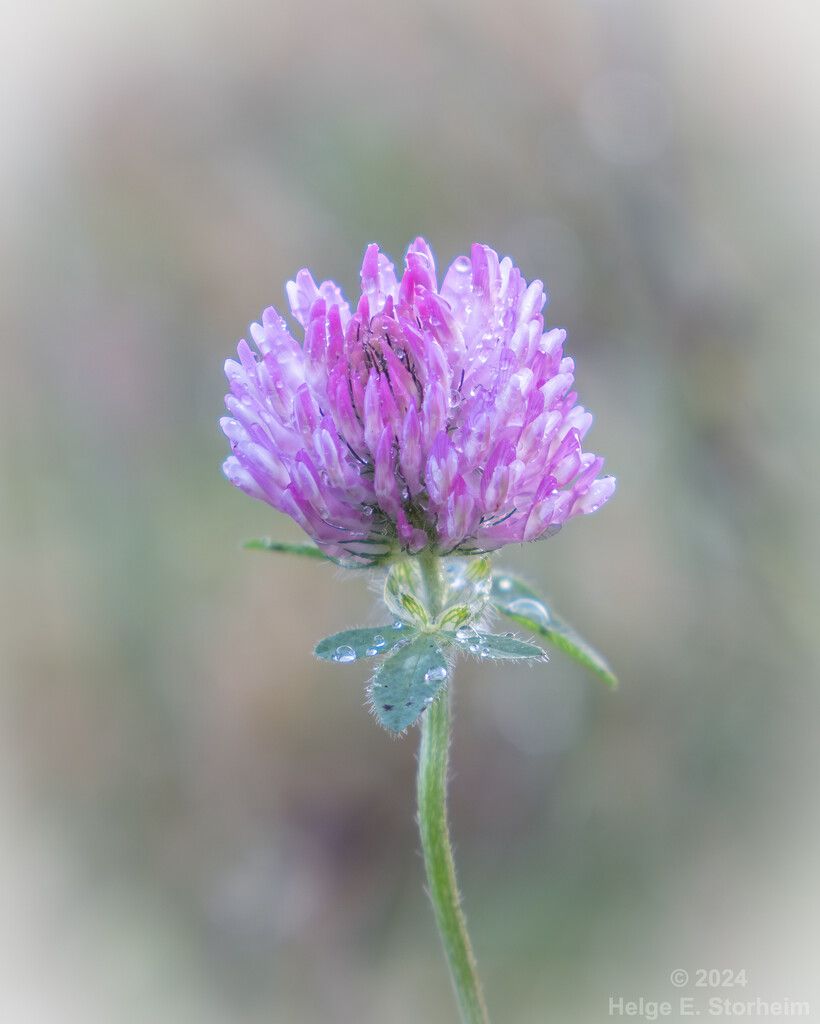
(465, 591)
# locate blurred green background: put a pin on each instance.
(200, 822)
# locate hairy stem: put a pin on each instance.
(439, 862)
(433, 583)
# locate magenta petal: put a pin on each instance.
(598, 492)
(384, 479)
(442, 469)
(410, 453)
(433, 411)
(340, 406)
(412, 539)
(378, 279)
(458, 521)
(420, 272)
(541, 515)
(495, 480)
(302, 293)
(374, 423)
(306, 414)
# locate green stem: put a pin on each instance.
(433, 584)
(439, 863)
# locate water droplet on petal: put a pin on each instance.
(378, 640)
(464, 634)
(530, 609)
(509, 636)
(398, 625)
(435, 674)
(371, 651)
(462, 264)
(455, 398)
(367, 510)
(344, 653)
(428, 700)
(485, 652)
(473, 648)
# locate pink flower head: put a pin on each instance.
(441, 416)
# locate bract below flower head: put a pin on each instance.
(440, 416)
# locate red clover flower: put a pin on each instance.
(429, 417)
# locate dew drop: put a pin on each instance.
(464, 634)
(378, 640)
(455, 398)
(462, 264)
(530, 609)
(485, 652)
(398, 625)
(371, 651)
(428, 700)
(473, 648)
(509, 636)
(367, 510)
(435, 674)
(344, 653)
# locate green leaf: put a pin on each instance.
(305, 550)
(408, 681)
(352, 644)
(496, 646)
(515, 599)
